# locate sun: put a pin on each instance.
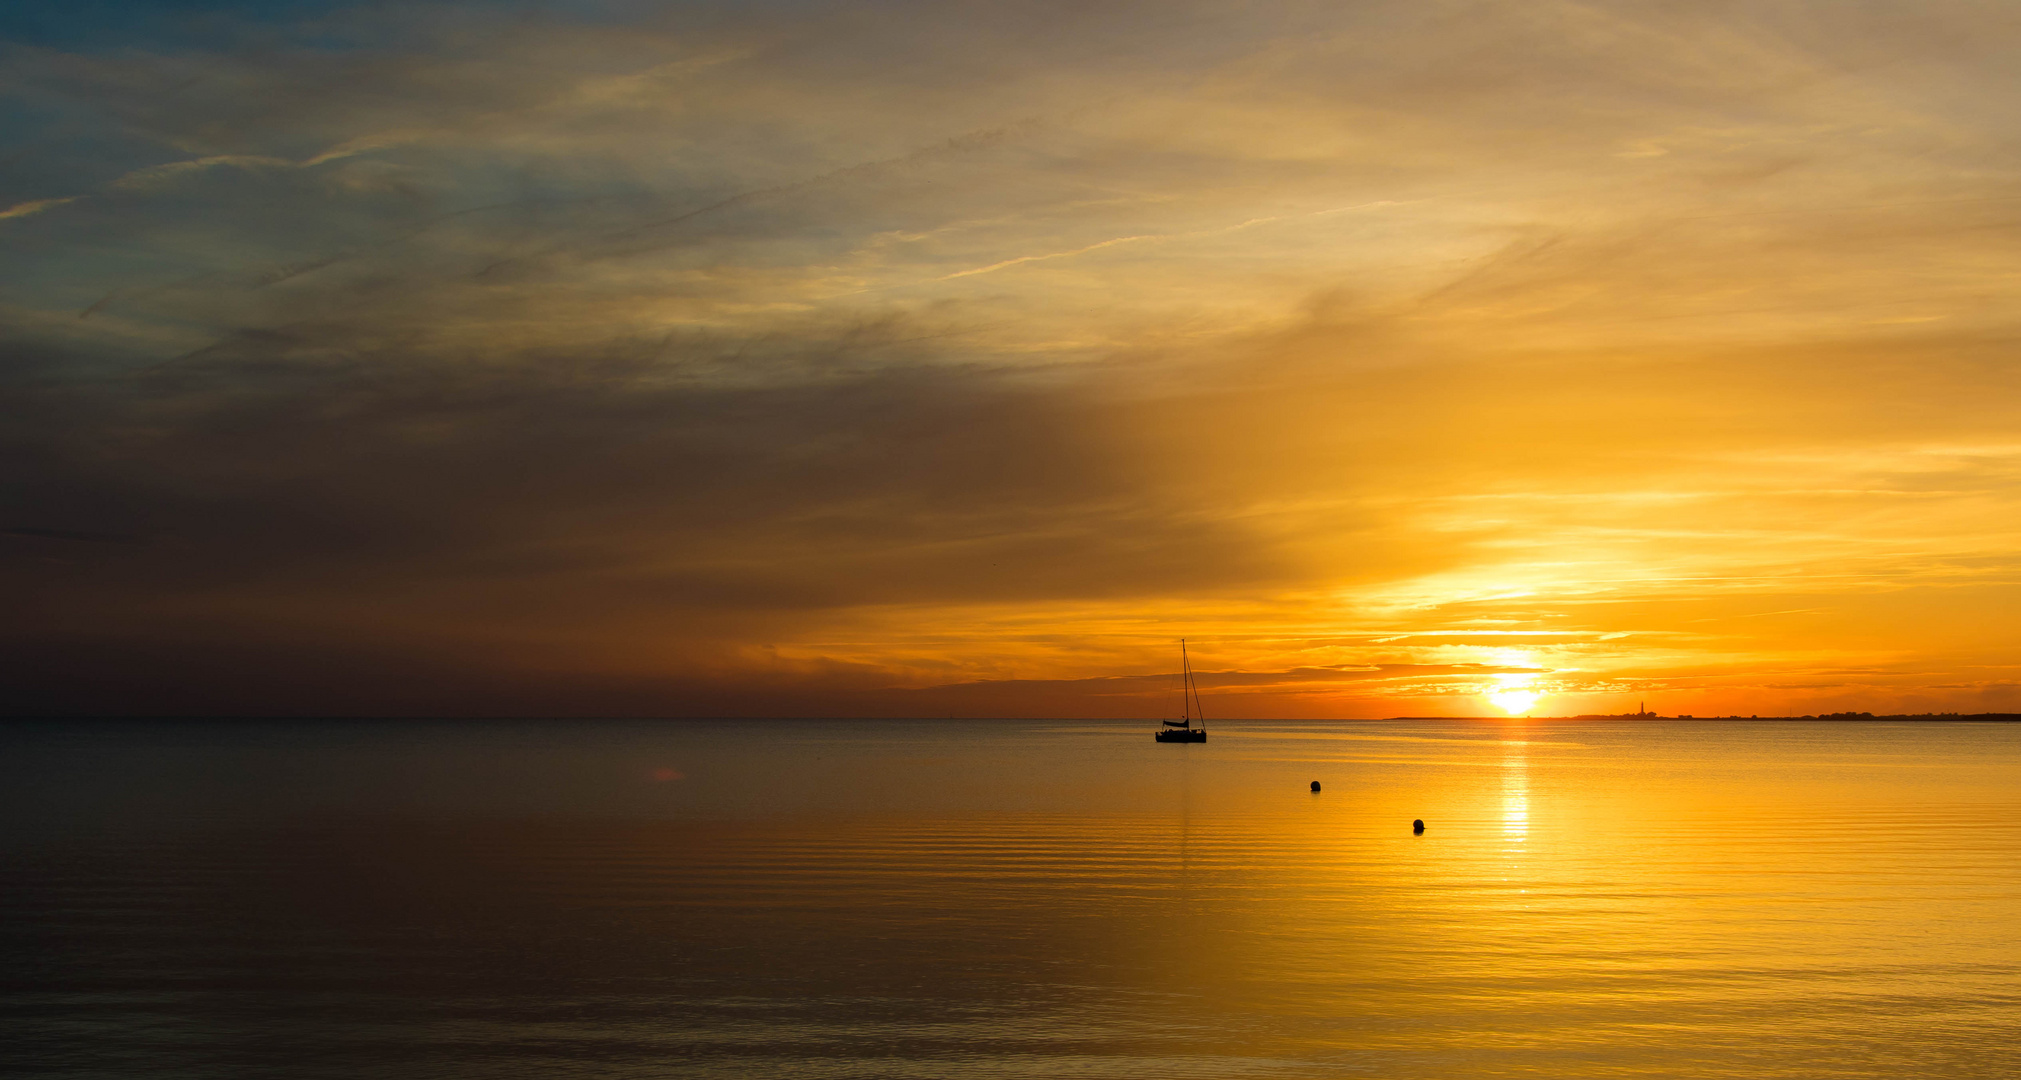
(1513, 701)
(1515, 692)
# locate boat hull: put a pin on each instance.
(1181, 735)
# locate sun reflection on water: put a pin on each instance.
(1516, 790)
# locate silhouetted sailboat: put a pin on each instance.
(1182, 729)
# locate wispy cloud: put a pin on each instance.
(34, 206)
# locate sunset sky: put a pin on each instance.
(802, 358)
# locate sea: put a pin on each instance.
(950, 898)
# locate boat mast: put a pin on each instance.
(1190, 686)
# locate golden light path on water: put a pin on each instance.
(917, 899)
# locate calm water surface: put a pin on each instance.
(972, 899)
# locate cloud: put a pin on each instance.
(673, 361)
(34, 206)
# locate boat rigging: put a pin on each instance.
(1183, 729)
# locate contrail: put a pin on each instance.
(1159, 236)
(1058, 254)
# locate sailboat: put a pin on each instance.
(1182, 729)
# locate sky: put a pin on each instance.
(959, 359)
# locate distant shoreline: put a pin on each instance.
(1850, 718)
(1844, 718)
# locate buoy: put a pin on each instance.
(1315, 785)
(1417, 826)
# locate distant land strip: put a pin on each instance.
(1857, 717)
(380, 718)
